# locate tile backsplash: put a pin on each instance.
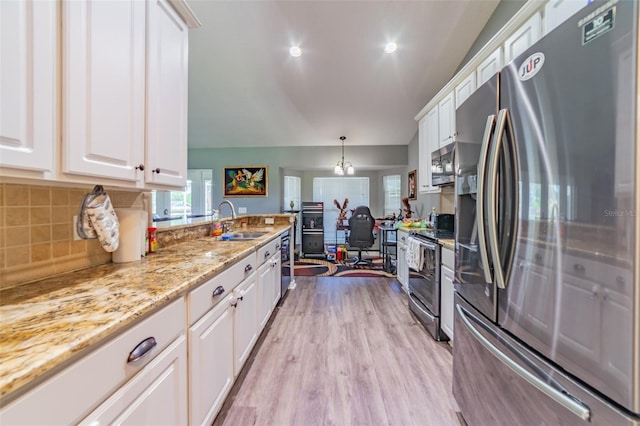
(447, 199)
(36, 231)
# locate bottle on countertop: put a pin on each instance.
(216, 229)
(153, 241)
(432, 217)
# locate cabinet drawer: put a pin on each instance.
(448, 258)
(90, 380)
(265, 252)
(158, 395)
(217, 288)
(613, 277)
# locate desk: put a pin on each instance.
(388, 247)
(345, 229)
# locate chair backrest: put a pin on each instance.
(361, 227)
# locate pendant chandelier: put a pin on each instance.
(341, 166)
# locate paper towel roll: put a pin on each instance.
(130, 231)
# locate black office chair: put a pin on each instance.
(361, 232)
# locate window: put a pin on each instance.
(195, 200)
(391, 188)
(292, 193)
(327, 189)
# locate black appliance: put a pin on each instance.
(423, 259)
(547, 280)
(442, 160)
(312, 229)
(285, 256)
(443, 224)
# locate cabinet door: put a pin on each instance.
(446, 300)
(104, 87)
(580, 320)
(167, 74)
(447, 121)
(210, 362)
(245, 321)
(403, 267)
(523, 38)
(157, 395)
(558, 11)
(265, 293)
(277, 277)
(491, 65)
(28, 59)
(424, 155)
(465, 88)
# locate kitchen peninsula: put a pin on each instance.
(53, 325)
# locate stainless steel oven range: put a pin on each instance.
(424, 282)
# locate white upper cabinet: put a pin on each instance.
(558, 11)
(446, 120)
(28, 77)
(167, 75)
(424, 155)
(523, 38)
(491, 65)
(104, 88)
(465, 88)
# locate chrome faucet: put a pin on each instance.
(233, 209)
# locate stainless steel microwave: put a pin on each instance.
(442, 166)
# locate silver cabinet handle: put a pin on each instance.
(143, 348)
(565, 400)
(248, 268)
(218, 291)
(267, 254)
(482, 163)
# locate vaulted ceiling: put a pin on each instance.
(245, 90)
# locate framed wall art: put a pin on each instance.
(245, 181)
(412, 187)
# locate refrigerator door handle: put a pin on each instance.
(482, 164)
(563, 399)
(513, 197)
(492, 199)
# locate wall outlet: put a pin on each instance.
(242, 210)
(76, 237)
(268, 221)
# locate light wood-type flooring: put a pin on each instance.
(344, 351)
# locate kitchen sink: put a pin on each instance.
(243, 236)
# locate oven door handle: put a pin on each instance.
(423, 243)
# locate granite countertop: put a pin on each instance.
(47, 322)
(448, 243)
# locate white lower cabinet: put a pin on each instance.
(446, 292)
(268, 288)
(245, 321)
(123, 381)
(403, 268)
(210, 362)
(156, 396)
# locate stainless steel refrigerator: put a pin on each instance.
(547, 305)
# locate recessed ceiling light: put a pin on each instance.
(390, 47)
(295, 51)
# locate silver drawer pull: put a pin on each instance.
(247, 268)
(142, 349)
(218, 291)
(267, 254)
